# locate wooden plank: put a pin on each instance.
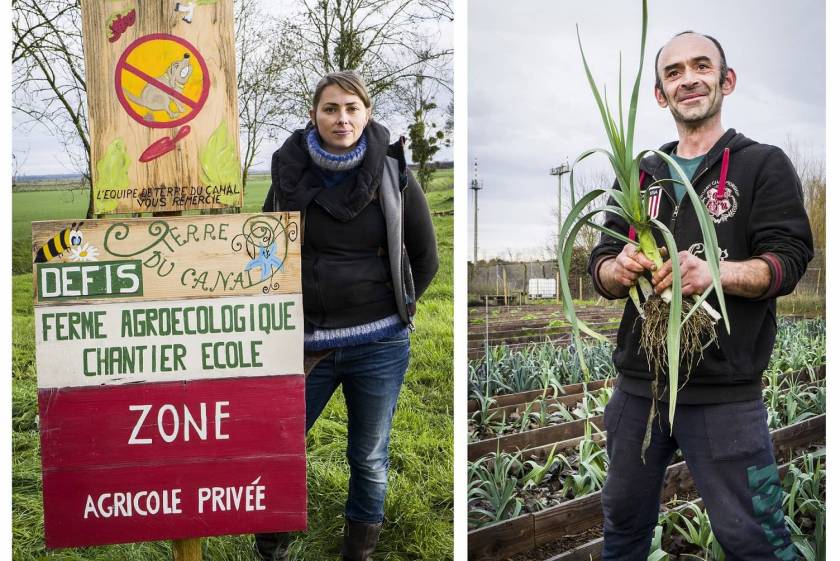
(162, 105)
(559, 447)
(153, 424)
(803, 433)
(209, 498)
(506, 400)
(590, 551)
(530, 395)
(804, 375)
(568, 518)
(501, 539)
(532, 438)
(174, 258)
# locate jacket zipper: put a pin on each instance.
(677, 206)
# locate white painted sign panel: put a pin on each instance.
(166, 341)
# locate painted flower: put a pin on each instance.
(266, 260)
(84, 252)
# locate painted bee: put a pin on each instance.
(60, 243)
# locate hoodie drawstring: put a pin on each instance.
(724, 168)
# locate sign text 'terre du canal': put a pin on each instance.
(170, 377)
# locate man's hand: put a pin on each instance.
(749, 279)
(694, 274)
(617, 275)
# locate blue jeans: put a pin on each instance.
(729, 453)
(370, 377)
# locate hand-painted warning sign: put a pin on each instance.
(162, 102)
(162, 81)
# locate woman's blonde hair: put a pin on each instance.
(349, 81)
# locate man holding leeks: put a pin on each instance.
(754, 198)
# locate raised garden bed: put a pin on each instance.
(525, 532)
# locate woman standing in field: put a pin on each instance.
(368, 252)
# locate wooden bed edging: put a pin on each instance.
(532, 438)
(504, 400)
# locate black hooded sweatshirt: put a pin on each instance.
(345, 267)
(759, 213)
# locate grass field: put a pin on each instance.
(418, 509)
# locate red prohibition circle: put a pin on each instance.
(195, 105)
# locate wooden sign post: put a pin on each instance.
(161, 89)
(170, 377)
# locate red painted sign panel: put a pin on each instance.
(173, 460)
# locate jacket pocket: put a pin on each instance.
(400, 338)
(612, 412)
(736, 430)
(353, 282)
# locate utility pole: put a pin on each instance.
(475, 186)
(559, 171)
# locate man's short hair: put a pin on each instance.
(723, 67)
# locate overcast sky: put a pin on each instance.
(530, 107)
(40, 153)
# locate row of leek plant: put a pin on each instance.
(538, 366)
(502, 485)
(789, 399)
(799, 344)
(540, 413)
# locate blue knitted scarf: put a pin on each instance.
(335, 162)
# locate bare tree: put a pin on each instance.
(264, 57)
(439, 8)
(811, 172)
(585, 181)
(48, 81)
(384, 40)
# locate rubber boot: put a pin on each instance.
(272, 547)
(359, 540)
